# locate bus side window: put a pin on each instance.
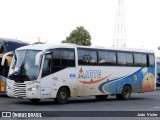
(47, 65)
(129, 58)
(112, 58)
(121, 59)
(102, 58)
(87, 57)
(1, 48)
(137, 59)
(63, 58)
(4, 69)
(151, 61)
(140, 60)
(144, 60)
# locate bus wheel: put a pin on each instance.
(34, 100)
(62, 96)
(101, 97)
(126, 93)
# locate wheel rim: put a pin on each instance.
(127, 92)
(63, 95)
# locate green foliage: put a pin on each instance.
(79, 36)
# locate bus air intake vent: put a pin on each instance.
(19, 90)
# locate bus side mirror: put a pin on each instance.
(38, 57)
(4, 57)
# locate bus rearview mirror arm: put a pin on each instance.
(4, 57)
(38, 57)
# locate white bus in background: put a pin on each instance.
(60, 71)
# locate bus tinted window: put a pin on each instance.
(121, 59)
(87, 57)
(129, 61)
(151, 61)
(103, 58)
(56, 58)
(1, 48)
(63, 58)
(11, 46)
(112, 58)
(158, 70)
(71, 58)
(106, 58)
(47, 65)
(144, 60)
(67, 58)
(140, 60)
(137, 59)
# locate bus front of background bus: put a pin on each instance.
(23, 78)
(4, 69)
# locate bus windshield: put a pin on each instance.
(24, 65)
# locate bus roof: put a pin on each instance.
(131, 49)
(8, 45)
(66, 45)
(12, 40)
(46, 46)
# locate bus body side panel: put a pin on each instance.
(111, 80)
(140, 80)
(93, 81)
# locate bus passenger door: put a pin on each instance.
(46, 85)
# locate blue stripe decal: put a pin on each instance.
(114, 80)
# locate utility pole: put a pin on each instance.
(119, 38)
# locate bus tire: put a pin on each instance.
(101, 97)
(62, 96)
(34, 100)
(126, 93)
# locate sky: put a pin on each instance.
(53, 21)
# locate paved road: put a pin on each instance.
(138, 102)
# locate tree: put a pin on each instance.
(79, 36)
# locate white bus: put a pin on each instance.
(61, 71)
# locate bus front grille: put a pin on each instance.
(19, 90)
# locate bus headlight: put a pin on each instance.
(34, 88)
(8, 87)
